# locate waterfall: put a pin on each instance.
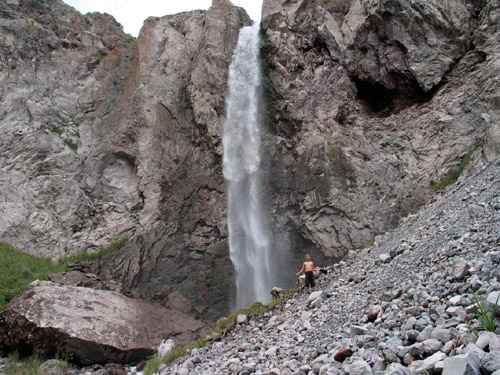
(249, 236)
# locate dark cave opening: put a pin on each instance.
(381, 101)
(374, 97)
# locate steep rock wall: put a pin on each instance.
(369, 104)
(103, 137)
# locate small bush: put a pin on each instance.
(56, 130)
(454, 174)
(129, 40)
(71, 145)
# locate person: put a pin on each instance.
(309, 269)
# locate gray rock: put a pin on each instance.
(360, 368)
(52, 367)
(491, 362)
(460, 269)
(492, 300)
(241, 318)
(92, 326)
(467, 364)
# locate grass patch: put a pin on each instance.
(56, 130)
(86, 256)
(154, 363)
(25, 366)
(129, 40)
(486, 318)
(454, 174)
(19, 269)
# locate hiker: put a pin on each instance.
(309, 269)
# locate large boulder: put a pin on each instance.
(91, 326)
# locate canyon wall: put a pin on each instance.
(102, 136)
(370, 105)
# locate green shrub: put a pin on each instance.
(56, 130)
(129, 40)
(71, 145)
(454, 174)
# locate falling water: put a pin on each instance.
(249, 239)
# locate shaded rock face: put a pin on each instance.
(104, 137)
(90, 326)
(370, 102)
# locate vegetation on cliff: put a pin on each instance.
(19, 269)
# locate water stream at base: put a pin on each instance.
(249, 236)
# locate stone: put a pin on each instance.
(315, 298)
(52, 367)
(493, 299)
(491, 362)
(385, 258)
(278, 292)
(343, 354)
(241, 318)
(431, 346)
(455, 300)
(374, 312)
(467, 364)
(92, 326)
(397, 369)
(442, 334)
(357, 330)
(360, 367)
(460, 269)
(489, 341)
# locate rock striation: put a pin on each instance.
(90, 326)
(370, 103)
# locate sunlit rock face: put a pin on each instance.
(369, 103)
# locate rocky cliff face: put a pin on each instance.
(370, 103)
(104, 137)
